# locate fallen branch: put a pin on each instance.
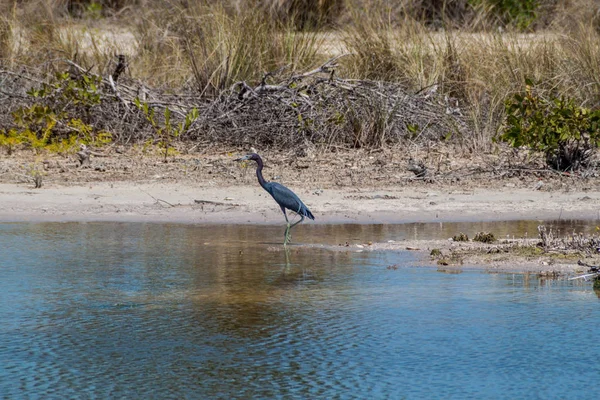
(158, 201)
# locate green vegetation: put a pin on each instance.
(435, 253)
(564, 132)
(461, 237)
(484, 237)
(519, 13)
(36, 175)
(54, 118)
(167, 131)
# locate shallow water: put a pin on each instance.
(185, 311)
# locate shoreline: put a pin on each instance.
(248, 204)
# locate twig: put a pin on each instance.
(326, 67)
(156, 199)
(114, 88)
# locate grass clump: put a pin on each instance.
(461, 237)
(484, 237)
(550, 240)
(212, 47)
(435, 253)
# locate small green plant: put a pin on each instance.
(36, 175)
(461, 237)
(167, 131)
(564, 132)
(519, 13)
(484, 237)
(94, 10)
(435, 253)
(68, 89)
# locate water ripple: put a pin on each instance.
(148, 310)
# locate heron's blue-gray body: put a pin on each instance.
(287, 199)
(282, 195)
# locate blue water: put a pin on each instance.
(99, 310)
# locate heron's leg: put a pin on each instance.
(284, 214)
(287, 236)
(287, 257)
(288, 231)
(296, 223)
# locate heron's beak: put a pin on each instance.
(244, 158)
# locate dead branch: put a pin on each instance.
(294, 111)
(120, 67)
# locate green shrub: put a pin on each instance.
(55, 118)
(519, 13)
(461, 237)
(564, 132)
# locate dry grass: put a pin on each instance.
(208, 46)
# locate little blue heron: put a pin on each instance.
(282, 195)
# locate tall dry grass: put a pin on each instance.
(209, 45)
(478, 69)
(174, 43)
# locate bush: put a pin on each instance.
(519, 13)
(57, 116)
(565, 133)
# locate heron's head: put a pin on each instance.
(252, 156)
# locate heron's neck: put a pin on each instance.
(259, 174)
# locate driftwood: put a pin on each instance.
(83, 155)
(592, 273)
(417, 167)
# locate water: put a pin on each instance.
(99, 310)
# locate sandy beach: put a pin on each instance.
(249, 204)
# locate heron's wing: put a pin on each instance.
(286, 198)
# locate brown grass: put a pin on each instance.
(210, 45)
